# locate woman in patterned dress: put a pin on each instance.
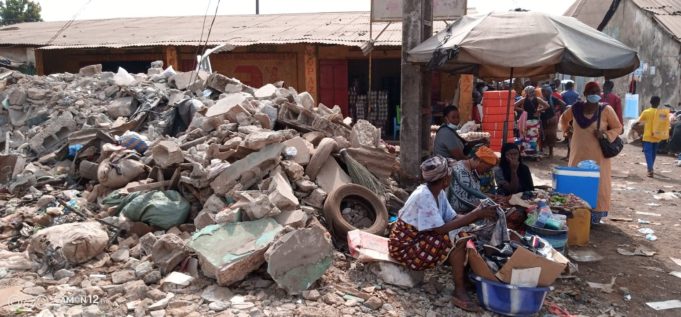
(428, 230)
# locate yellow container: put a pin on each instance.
(579, 227)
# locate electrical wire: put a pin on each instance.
(210, 29)
(68, 23)
(198, 47)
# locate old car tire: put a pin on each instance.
(339, 226)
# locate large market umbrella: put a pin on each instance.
(501, 45)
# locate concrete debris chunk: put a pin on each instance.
(229, 252)
(249, 170)
(268, 91)
(258, 140)
(293, 218)
(316, 198)
(167, 153)
(168, 251)
(299, 258)
(306, 100)
(228, 107)
(396, 274)
(294, 171)
(281, 193)
(255, 204)
(331, 176)
(122, 107)
(302, 147)
(90, 70)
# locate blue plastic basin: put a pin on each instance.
(509, 300)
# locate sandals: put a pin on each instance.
(467, 305)
(651, 174)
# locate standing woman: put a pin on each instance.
(549, 119)
(533, 106)
(584, 144)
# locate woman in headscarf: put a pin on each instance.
(512, 175)
(429, 232)
(584, 144)
(465, 193)
(532, 106)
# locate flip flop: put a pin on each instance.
(467, 305)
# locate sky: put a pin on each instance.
(63, 10)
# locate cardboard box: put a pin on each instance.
(521, 259)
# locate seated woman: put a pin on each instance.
(428, 231)
(512, 176)
(465, 193)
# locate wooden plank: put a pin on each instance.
(39, 62)
(311, 71)
(170, 57)
(465, 103)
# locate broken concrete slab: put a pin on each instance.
(68, 244)
(90, 70)
(314, 137)
(299, 258)
(281, 193)
(168, 251)
(331, 176)
(321, 155)
(228, 215)
(228, 107)
(167, 153)
(255, 205)
(302, 149)
(258, 140)
(228, 253)
(264, 119)
(268, 91)
(220, 83)
(380, 163)
(204, 219)
(293, 218)
(249, 170)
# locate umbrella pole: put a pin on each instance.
(508, 108)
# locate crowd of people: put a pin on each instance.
(460, 177)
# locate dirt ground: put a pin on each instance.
(646, 278)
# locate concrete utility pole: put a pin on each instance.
(257, 6)
(417, 26)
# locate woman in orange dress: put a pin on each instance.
(584, 144)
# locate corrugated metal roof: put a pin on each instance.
(345, 28)
(590, 12)
(666, 12)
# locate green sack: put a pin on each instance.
(163, 209)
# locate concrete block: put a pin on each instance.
(268, 91)
(364, 134)
(293, 218)
(293, 170)
(122, 107)
(299, 258)
(306, 100)
(90, 70)
(16, 97)
(228, 253)
(258, 140)
(316, 198)
(396, 274)
(321, 155)
(228, 107)
(332, 176)
(281, 193)
(168, 251)
(54, 133)
(249, 170)
(204, 219)
(220, 83)
(303, 150)
(167, 153)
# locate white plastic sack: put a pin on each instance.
(69, 244)
(169, 72)
(123, 78)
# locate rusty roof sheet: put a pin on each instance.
(344, 28)
(666, 12)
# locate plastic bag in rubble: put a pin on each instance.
(118, 170)
(123, 78)
(169, 72)
(68, 244)
(134, 141)
(163, 209)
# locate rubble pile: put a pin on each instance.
(148, 189)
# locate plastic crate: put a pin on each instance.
(509, 300)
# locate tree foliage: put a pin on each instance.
(18, 11)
